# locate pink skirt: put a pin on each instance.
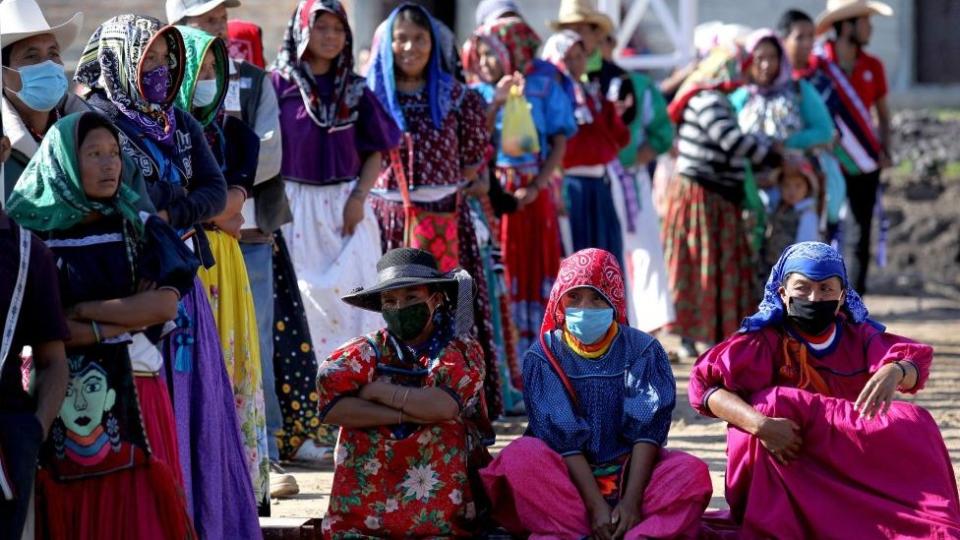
(527, 470)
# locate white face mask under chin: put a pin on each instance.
(204, 93)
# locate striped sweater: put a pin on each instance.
(712, 149)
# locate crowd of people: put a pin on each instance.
(201, 251)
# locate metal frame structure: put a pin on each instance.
(679, 31)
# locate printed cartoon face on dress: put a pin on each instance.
(800, 286)
(589, 32)
(412, 45)
(794, 187)
(798, 44)
(328, 37)
(491, 70)
(88, 399)
(584, 298)
(100, 164)
(576, 61)
(29, 52)
(765, 63)
(213, 22)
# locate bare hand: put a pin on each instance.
(886, 161)
(600, 525)
(352, 214)
(526, 195)
(625, 517)
(645, 155)
(877, 396)
(781, 437)
(504, 86)
(231, 220)
(479, 187)
(164, 215)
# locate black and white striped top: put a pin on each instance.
(712, 149)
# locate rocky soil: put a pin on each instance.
(922, 203)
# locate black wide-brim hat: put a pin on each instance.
(399, 268)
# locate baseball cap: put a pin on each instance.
(178, 9)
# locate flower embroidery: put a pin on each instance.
(372, 522)
(341, 455)
(456, 497)
(420, 482)
(391, 505)
(425, 437)
(371, 467)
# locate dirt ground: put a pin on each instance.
(927, 319)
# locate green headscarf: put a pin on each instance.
(49, 195)
(197, 43)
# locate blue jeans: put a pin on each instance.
(259, 261)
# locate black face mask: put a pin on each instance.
(812, 318)
(407, 322)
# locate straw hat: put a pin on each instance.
(581, 11)
(840, 10)
(23, 19)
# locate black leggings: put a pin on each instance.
(862, 198)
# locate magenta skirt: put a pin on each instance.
(531, 493)
(889, 477)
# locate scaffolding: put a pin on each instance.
(678, 28)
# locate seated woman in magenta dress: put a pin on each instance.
(816, 446)
(599, 395)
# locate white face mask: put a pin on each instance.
(204, 93)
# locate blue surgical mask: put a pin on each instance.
(204, 93)
(589, 325)
(42, 85)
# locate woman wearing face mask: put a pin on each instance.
(111, 467)
(406, 398)
(444, 145)
(228, 288)
(772, 105)
(134, 68)
(807, 387)
(35, 86)
(599, 396)
(600, 136)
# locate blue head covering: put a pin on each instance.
(817, 261)
(382, 82)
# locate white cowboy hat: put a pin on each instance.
(22, 19)
(840, 10)
(578, 11)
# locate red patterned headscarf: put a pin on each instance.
(514, 41)
(594, 268)
(246, 42)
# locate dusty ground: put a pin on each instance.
(932, 320)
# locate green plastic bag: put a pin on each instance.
(519, 136)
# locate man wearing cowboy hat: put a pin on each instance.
(34, 82)
(850, 20)
(595, 27)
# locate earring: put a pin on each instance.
(113, 431)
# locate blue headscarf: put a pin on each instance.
(816, 261)
(381, 80)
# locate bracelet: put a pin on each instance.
(393, 400)
(96, 331)
(903, 370)
(404, 402)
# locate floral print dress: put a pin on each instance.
(407, 479)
